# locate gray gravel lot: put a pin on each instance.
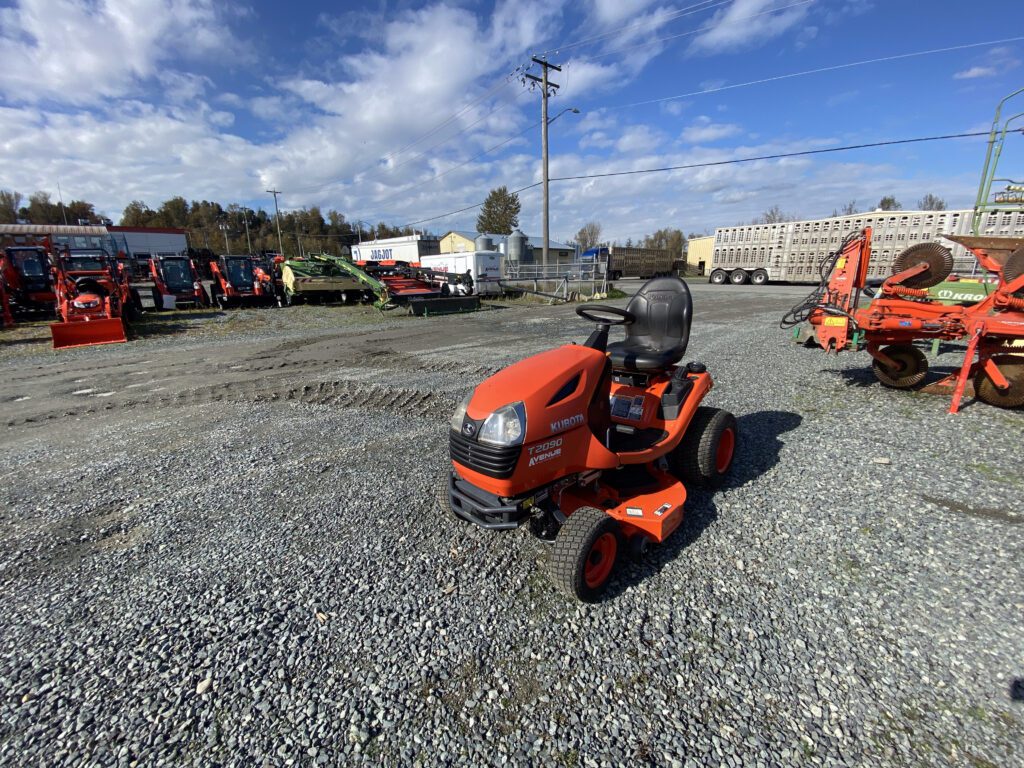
(219, 545)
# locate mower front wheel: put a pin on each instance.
(443, 497)
(705, 454)
(912, 367)
(585, 552)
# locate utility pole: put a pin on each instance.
(547, 87)
(277, 217)
(245, 218)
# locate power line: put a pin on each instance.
(712, 163)
(647, 43)
(817, 71)
(689, 10)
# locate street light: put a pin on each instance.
(223, 226)
(544, 144)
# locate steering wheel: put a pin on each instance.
(625, 318)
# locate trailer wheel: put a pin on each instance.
(1012, 369)
(705, 454)
(584, 553)
(913, 367)
(718, 277)
(759, 277)
(738, 277)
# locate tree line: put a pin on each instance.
(208, 223)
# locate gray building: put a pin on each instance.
(792, 250)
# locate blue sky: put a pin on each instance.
(382, 109)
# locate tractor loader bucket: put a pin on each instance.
(86, 333)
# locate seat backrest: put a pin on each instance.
(663, 309)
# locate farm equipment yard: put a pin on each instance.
(221, 544)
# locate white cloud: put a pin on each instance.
(995, 61)
(78, 52)
(638, 139)
(610, 12)
(973, 72)
(737, 26)
(597, 140)
(703, 130)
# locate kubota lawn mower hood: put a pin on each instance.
(548, 412)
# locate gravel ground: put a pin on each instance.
(240, 562)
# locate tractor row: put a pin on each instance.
(92, 293)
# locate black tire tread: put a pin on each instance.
(571, 548)
(938, 256)
(443, 500)
(693, 460)
(1014, 267)
(1013, 369)
(905, 381)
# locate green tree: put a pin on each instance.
(931, 203)
(500, 213)
(10, 202)
(173, 213)
(40, 210)
(890, 203)
(589, 235)
(81, 212)
(668, 239)
(136, 214)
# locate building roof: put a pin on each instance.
(469, 235)
(150, 230)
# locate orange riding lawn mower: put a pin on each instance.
(93, 299)
(901, 313)
(593, 445)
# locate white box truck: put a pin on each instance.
(483, 266)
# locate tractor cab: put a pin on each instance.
(26, 270)
(239, 272)
(87, 262)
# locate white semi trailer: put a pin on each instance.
(483, 266)
(792, 251)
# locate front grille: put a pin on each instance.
(485, 459)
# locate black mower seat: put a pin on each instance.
(657, 338)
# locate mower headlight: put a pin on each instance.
(460, 413)
(506, 426)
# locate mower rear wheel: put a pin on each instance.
(584, 553)
(912, 367)
(1012, 369)
(705, 454)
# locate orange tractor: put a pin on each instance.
(593, 445)
(175, 281)
(93, 297)
(901, 313)
(240, 279)
(27, 276)
(6, 318)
